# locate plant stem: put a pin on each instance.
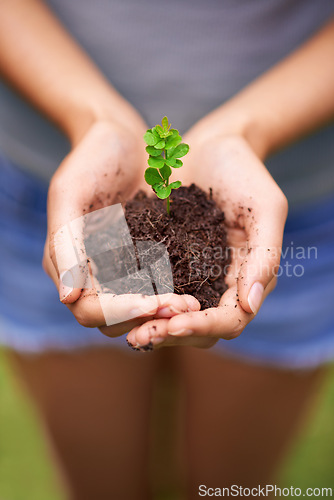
(167, 206)
(167, 182)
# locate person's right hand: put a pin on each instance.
(105, 167)
(255, 211)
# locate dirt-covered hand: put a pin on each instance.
(255, 211)
(105, 167)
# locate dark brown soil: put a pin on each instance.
(194, 235)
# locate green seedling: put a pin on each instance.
(165, 148)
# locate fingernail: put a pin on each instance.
(255, 296)
(134, 313)
(183, 331)
(165, 311)
(65, 285)
(168, 310)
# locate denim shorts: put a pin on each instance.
(32, 319)
(294, 329)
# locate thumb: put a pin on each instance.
(257, 277)
(260, 266)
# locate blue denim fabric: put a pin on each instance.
(32, 319)
(295, 326)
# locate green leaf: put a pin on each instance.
(173, 141)
(153, 152)
(163, 192)
(165, 123)
(166, 172)
(155, 133)
(178, 164)
(149, 138)
(179, 151)
(156, 162)
(159, 130)
(158, 185)
(160, 145)
(175, 185)
(162, 133)
(170, 162)
(152, 176)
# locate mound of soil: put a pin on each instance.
(194, 235)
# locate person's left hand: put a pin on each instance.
(255, 212)
(105, 167)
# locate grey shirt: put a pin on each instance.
(181, 58)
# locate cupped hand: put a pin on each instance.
(106, 167)
(255, 212)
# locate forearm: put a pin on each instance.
(40, 59)
(293, 98)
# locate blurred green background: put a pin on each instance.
(26, 472)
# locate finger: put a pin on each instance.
(67, 252)
(65, 294)
(151, 334)
(120, 308)
(121, 328)
(47, 264)
(104, 309)
(154, 335)
(180, 304)
(65, 230)
(226, 321)
(264, 252)
(95, 309)
(188, 303)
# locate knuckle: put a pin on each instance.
(215, 318)
(85, 319)
(45, 264)
(231, 335)
(236, 329)
(52, 251)
(236, 326)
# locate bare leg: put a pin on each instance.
(240, 418)
(96, 405)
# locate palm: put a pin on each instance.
(255, 212)
(106, 168)
(221, 170)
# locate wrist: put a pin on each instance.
(109, 107)
(230, 120)
(251, 124)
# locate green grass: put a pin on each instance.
(25, 469)
(26, 472)
(311, 464)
